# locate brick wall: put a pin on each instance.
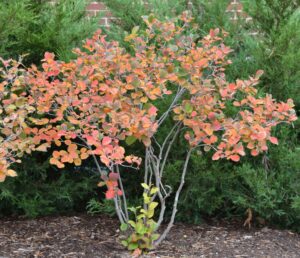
(234, 9)
(94, 8)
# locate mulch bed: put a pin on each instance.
(97, 236)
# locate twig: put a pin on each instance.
(174, 211)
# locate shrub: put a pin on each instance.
(105, 98)
(277, 52)
(41, 190)
(31, 28)
(211, 188)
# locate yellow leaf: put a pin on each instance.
(42, 147)
(57, 142)
(2, 177)
(11, 173)
(77, 162)
(84, 155)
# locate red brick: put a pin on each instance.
(91, 13)
(103, 22)
(234, 7)
(107, 13)
(242, 14)
(95, 6)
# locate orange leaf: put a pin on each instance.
(2, 177)
(77, 162)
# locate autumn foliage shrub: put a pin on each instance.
(221, 190)
(29, 28)
(96, 104)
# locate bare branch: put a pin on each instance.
(174, 211)
(174, 102)
(123, 194)
(94, 157)
(118, 210)
(169, 148)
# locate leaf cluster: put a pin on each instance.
(143, 227)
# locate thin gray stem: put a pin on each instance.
(154, 166)
(123, 194)
(175, 204)
(118, 211)
(174, 102)
(168, 149)
(94, 157)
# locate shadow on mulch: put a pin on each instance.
(97, 236)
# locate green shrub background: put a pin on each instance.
(33, 27)
(268, 184)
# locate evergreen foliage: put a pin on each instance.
(277, 50)
(41, 189)
(29, 27)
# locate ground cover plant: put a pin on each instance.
(105, 99)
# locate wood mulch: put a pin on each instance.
(97, 236)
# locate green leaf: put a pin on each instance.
(153, 205)
(143, 211)
(141, 216)
(163, 73)
(11, 107)
(155, 237)
(124, 227)
(145, 186)
(124, 242)
(151, 18)
(23, 135)
(135, 29)
(188, 108)
(147, 199)
(150, 213)
(20, 102)
(140, 228)
(152, 225)
(132, 209)
(153, 190)
(133, 246)
(130, 140)
(131, 223)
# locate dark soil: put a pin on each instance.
(88, 236)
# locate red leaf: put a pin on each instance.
(216, 156)
(152, 111)
(235, 158)
(114, 176)
(273, 140)
(254, 152)
(106, 140)
(110, 194)
(119, 192)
